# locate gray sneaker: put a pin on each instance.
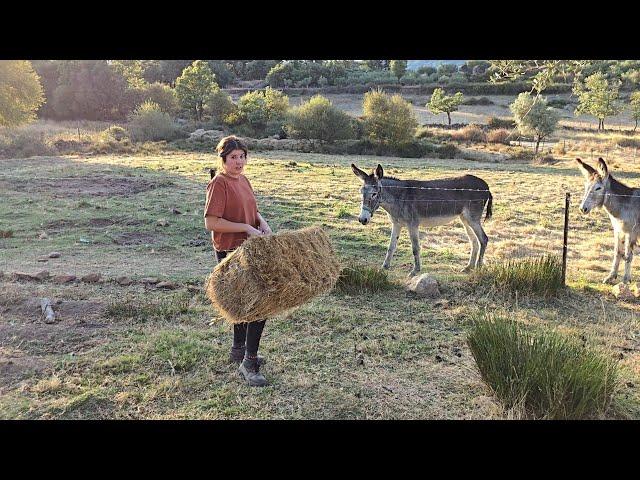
(252, 375)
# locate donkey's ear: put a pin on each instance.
(587, 170)
(379, 172)
(359, 173)
(603, 170)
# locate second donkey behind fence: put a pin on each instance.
(412, 203)
(622, 203)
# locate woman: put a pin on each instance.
(231, 214)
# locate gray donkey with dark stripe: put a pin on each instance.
(622, 203)
(412, 203)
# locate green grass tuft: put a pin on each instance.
(540, 373)
(341, 210)
(539, 275)
(356, 279)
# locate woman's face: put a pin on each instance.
(235, 162)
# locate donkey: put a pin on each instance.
(412, 203)
(622, 203)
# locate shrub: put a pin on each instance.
(149, 123)
(470, 133)
(477, 101)
(558, 102)
(319, 119)
(541, 373)
(220, 106)
(495, 123)
(388, 119)
(22, 144)
(500, 135)
(627, 142)
(116, 133)
(538, 276)
(355, 279)
(259, 107)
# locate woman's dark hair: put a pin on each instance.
(228, 145)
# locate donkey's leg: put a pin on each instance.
(475, 244)
(393, 243)
(617, 256)
(415, 244)
(482, 238)
(628, 258)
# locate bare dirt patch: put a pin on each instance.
(64, 224)
(86, 186)
(137, 238)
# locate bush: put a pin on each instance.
(259, 107)
(538, 276)
(477, 101)
(627, 142)
(220, 106)
(149, 123)
(448, 150)
(116, 133)
(558, 103)
(500, 135)
(495, 123)
(470, 133)
(319, 119)
(357, 279)
(388, 119)
(541, 373)
(22, 144)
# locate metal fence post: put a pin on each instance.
(566, 234)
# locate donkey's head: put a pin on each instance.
(370, 192)
(596, 185)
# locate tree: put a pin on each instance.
(132, 71)
(441, 103)
(376, 64)
(90, 89)
(541, 72)
(194, 87)
(388, 119)
(598, 98)
(635, 108)
(534, 117)
(20, 93)
(399, 68)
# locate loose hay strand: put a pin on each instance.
(269, 275)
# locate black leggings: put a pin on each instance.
(245, 335)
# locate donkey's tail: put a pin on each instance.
(489, 207)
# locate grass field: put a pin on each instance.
(140, 352)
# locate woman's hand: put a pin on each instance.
(265, 228)
(251, 231)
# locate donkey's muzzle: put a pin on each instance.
(584, 210)
(363, 221)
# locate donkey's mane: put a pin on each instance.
(619, 188)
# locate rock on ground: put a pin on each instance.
(424, 285)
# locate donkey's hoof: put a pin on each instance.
(413, 273)
(611, 279)
(466, 269)
(385, 266)
(626, 279)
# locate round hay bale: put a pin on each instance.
(271, 274)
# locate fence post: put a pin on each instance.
(566, 234)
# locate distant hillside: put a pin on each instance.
(416, 64)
